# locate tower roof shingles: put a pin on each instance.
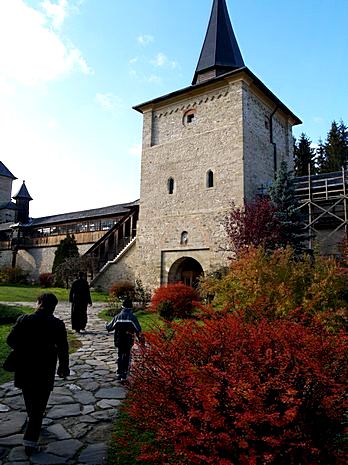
(220, 52)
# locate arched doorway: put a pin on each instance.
(186, 270)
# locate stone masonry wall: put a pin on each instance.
(185, 152)
(258, 149)
(40, 259)
(5, 189)
(124, 269)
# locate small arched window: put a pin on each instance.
(188, 117)
(170, 185)
(210, 179)
(184, 238)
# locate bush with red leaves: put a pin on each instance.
(46, 279)
(227, 392)
(182, 298)
(254, 224)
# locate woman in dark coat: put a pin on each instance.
(38, 339)
(80, 298)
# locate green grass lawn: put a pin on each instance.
(74, 343)
(148, 320)
(4, 351)
(31, 293)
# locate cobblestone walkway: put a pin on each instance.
(81, 408)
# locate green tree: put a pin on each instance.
(67, 248)
(288, 216)
(304, 156)
(335, 154)
(69, 269)
(320, 156)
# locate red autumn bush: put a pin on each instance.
(255, 224)
(227, 392)
(46, 279)
(179, 295)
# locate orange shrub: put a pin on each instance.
(278, 283)
(181, 297)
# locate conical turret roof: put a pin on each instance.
(23, 193)
(5, 172)
(220, 52)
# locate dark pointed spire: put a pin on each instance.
(220, 52)
(22, 199)
(5, 172)
(23, 193)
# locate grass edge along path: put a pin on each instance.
(31, 293)
(5, 376)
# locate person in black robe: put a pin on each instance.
(38, 340)
(80, 298)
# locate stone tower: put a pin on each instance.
(22, 199)
(7, 208)
(204, 146)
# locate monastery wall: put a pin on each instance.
(40, 259)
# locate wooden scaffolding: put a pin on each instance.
(323, 200)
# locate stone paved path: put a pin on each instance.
(81, 408)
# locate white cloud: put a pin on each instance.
(133, 60)
(108, 101)
(57, 12)
(153, 79)
(161, 60)
(30, 51)
(135, 150)
(145, 39)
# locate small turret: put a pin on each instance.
(22, 199)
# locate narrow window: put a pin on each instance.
(170, 185)
(190, 118)
(210, 179)
(184, 238)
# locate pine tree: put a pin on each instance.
(67, 248)
(335, 149)
(320, 156)
(282, 194)
(304, 156)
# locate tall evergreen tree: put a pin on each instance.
(282, 194)
(335, 149)
(67, 248)
(304, 156)
(320, 156)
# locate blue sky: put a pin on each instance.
(71, 70)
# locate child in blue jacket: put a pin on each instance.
(125, 326)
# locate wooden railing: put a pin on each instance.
(323, 201)
(114, 241)
(327, 186)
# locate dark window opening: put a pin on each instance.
(188, 117)
(170, 186)
(210, 179)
